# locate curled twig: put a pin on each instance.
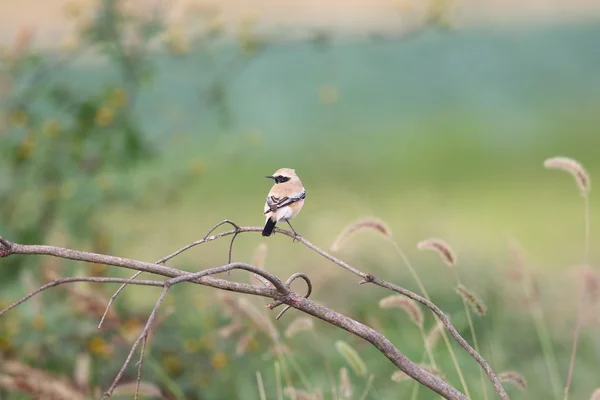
(288, 283)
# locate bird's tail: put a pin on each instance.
(269, 226)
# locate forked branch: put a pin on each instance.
(276, 289)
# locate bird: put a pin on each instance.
(285, 199)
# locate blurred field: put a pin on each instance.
(440, 134)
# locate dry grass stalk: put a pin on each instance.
(399, 376)
(574, 168)
(434, 335)
(242, 344)
(472, 299)
(583, 182)
(259, 319)
(345, 384)
(590, 282)
(352, 357)
(81, 375)
(261, 386)
(146, 390)
(513, 377)
(228, 304)
(297, 394)
(228, 330)
(260, 255)
(406, 304)
(40, 384)
(441, 247)
(85, 300)
(277, 350)
(298, 325)
(371, 224)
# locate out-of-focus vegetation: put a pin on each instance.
(143, 134)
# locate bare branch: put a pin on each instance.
(142, 266)
(280, 293)
(60, 281)
(5, 247)
(462, 342)
(367, 278)
(165, 259)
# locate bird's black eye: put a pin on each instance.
(281, 179)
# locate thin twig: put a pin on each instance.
(141, 337)
(140, 365)
(288, 283)
(165, 259)
(61, 281)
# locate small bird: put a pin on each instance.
(285, 200)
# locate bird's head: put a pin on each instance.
(284, 175)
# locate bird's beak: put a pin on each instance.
(270, 177)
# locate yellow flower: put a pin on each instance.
(98, 269)
(18, 117)
(131, 329)
(219, 360)
(26, 148)
(118, 98)
(4, 343)
(206, 342)
(12, 326)
(191, 345)
(102, 240)
(97, 346)
(171, 364)
(202, 380)
(38, 322)
(51, 128)
(178, 42)
(252, 345)
(328, 94)
(104, 116)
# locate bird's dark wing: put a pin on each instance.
(275, 203)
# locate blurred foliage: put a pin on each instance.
(64, 146)
(70, 145)
(61, 147)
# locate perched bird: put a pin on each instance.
(285, 200)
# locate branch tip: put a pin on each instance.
(5, 247)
